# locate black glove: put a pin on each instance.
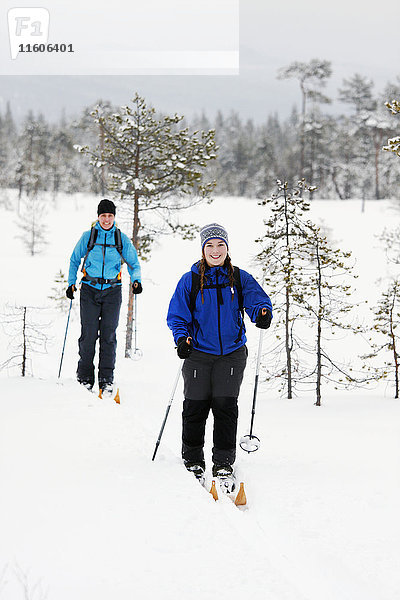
(137, 287)
(70, 292)
(184, 348)
(263, 321)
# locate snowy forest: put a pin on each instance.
(334, 143)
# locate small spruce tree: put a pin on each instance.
(328, 305)
(281, 263)
(58, 292)
(28, 336)
(393, 144)
(387, 323)
(31, 222)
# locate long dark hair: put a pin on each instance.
(202, 266)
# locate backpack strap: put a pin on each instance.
(194, 290)
(118, 245)
(239, 289)
(90, 245)
(118, 240)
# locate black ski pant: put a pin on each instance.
(211, 382)
(99, 319)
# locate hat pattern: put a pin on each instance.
(212, 231)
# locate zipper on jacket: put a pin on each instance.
(219, 313)
(104, 257)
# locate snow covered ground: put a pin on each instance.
(85, 513)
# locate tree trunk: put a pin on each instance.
(302, 140)
(335, 183)
(135, 241)
(103, 172)
(319, 330)
(318, 386)
(24, 343)
(393, 338)
(288, 347)
(378, 146)
(287, 315)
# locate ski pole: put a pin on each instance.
(137, 353)
(65, 338)
(135, 317)
(168, 409)
(251, 443)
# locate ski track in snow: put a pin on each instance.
(85, 492)
(85, 513)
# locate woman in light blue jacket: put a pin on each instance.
(101, 249)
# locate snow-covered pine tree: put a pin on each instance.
(31, 222)
(152, 165)
(327, 302)
(28, 336)
(317, 147)
(237, 146)
(393, 144)
(33, 156)
(7, 155)
(282, 265)
(387, 323)
(391, 243)
(342, 154)
(61, 149)
(379, 127)
(357, 92)
(58, 292)
(312, 78)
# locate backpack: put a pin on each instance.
(91, 244)
(92, 241)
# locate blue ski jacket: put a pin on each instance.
(216, 326)
(104, 260)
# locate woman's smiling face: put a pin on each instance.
(106, 220)
(215, 252)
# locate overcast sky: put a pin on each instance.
(356, 35)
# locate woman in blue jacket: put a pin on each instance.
(100, 299)
(206, 320)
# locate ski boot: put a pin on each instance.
(106, 389)
(88, 385)
(197, 469)
(226, 477)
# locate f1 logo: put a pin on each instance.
(27, 25)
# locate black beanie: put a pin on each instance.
(106, 206)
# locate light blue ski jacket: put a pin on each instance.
(104, 260)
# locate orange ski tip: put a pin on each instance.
(241, 499)
(117, 398)
(100, 393)
(213, 490)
